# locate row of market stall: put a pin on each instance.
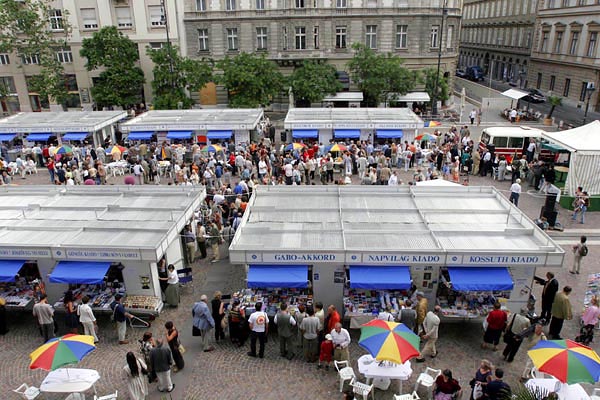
(93, 241)
(365, 250)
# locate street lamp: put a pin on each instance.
(439, 61)
(165, 20)
(589, 90)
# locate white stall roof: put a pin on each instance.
(410, 97)
(60, 122)
(354, 224)
(345, 96)
(195, 120)
(514, 94)
(358, 118)
(140, 221)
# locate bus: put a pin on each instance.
(506, 140)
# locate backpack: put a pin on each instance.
(583, 251)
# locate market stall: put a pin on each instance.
(20, 283)
(96, 241)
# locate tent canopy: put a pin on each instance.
(480, 278)
(75, 136)
(219, 135)
(379, 277)
(179, 134)
(278, 276)
(346, 133)
(438, 182)
(305, 133)
(147, 135)
(79, 272)
(41, 137)
(10, 268)
(7, 137)
(514, 94)
(389, 133)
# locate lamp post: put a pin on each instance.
(166, 22)
(439, 61)
(589, 90)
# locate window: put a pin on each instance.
(538, 84)
(300, 38)
(449, 36)
(88, 17)
(232, 39)
(55, 18)
(544, 46)
(285, 37)
(71, 83)
(552, 82)
(558, 42)
(202, 39)
(124, 17)
(157, 45)
(4, 59)
(591, 47)
(29, 59)
(340, 37)
(567, 87)
(64, 55)
(260, 4)
(341, 4)
(574, 42)
(261, 38)
(316, 37)
(230, 5)
(401, 36)
(371, 37)
(8, 83)
(299, 3)
(435, 30)
(157, 16)
(583, 91)
(200, 5)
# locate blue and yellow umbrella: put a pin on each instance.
(294, 146)
(389, 341)
(566, 360)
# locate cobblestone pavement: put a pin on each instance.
(228, 373)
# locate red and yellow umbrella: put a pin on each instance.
(336, 148)
(116, 149)
(295, 146)
(64, 350)
(425, 137)
(566, 360)
(389, 341)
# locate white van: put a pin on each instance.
(506, 140)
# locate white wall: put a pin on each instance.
(324, 289)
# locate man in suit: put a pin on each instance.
(548, 294)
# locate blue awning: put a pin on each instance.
(480, 278)
(346, 133)
(305, 133)
(42, 137)
(389, 133)
(10, 268)
(179, 134)
(218, 135)
(7, 137)
(380, 277)
(278, 276)
(79, 272)
(75, 136)
(140, 135)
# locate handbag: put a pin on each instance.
(509, 336)
(181, 349)
(224, 322)
(196, 331)
(477, 391)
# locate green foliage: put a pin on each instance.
(379, 74)
(170, 85)
(443, 91)
(554, 102)
(26, 31)
(525, 393)
(250, 80)
(121, 81)
(313, 81)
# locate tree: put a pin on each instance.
(170, 86)
(377, 75)
(554, 102)
(313, 81)
(26, 32)
(250, 80)
(443, 91)
(121, 81)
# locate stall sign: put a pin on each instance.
(487, 259)
(81, 254)
(408, 259)
(295, 258)
(352, 125)
(25, 253)
(309, 126)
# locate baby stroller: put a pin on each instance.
(586, 335)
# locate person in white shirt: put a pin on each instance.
(393, 181)
(513, 115)
(472, 116)
(531, 150)
(430, 334)
(138, 172)
(87, 318)
(515, 192)
(385, 315)
(341, 341)
(262, 168)
(259, 328)
(288, 169)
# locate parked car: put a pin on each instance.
(461, 73)
(475, 73)
(534, 96)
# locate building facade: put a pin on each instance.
(497, 35)
(565, 59)
(289, 31)
(143, 21)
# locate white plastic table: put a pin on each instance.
(372, 369)
(564, 391)
(70, 380)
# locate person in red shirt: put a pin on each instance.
(446, 386)
(333, 317)
(496, 320)
(326, 352)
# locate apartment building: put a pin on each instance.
(497, 35)
(143, 21)
(565, 58)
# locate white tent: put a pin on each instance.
(438, 183)
(584, 144)
(514, 94)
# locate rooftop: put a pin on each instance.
(60, 122)
(332, 118)
(195, 120)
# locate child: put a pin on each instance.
(326, 352)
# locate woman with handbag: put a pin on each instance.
(175, 346)
(218, 313)
(483, 376)
(134, 373)
(496, 320)
(446, 387)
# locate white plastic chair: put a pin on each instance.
(362, 389)
(345, 372)
(112, 396)
(27, 392)
(427, 379)
(535, 374)
(408, 396)
(75, 396)
(595, 394)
